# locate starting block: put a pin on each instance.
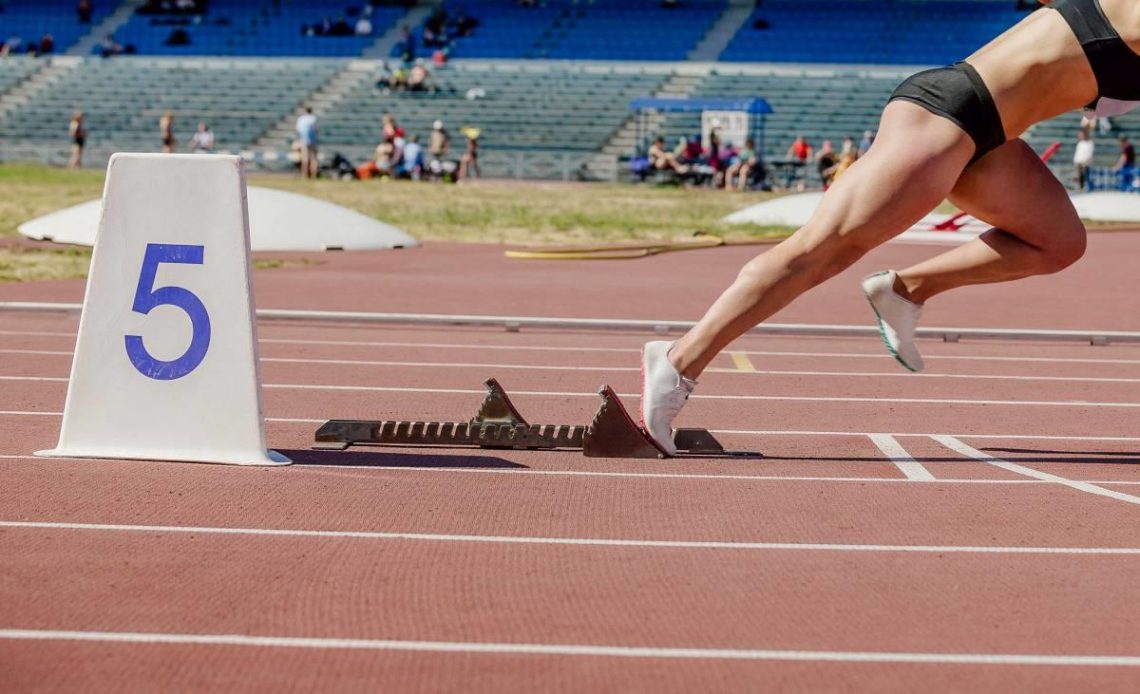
(498, 424)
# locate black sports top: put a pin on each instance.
(1116, 66)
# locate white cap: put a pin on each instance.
(438, 125)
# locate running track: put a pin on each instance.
(973, 528)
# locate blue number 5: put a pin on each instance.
(147, 298)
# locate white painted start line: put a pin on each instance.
(743, 366)
(570, 650)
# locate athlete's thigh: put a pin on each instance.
(1011, 189)
(913, 165)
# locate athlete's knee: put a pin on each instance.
(1067, 249)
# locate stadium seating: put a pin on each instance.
(31, 19)
(15, 70)
(935, 32)
(124, 97)
(550, 108)
(586, 30)
(256, 28)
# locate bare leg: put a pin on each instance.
(912, 167)
(1037, 229)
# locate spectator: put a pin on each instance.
(825, 160)
(109, 47)
(1082, 157)
(662, 160)
(385, 158)
(47, 45)
(78, 133)
(166, 129)
(307, 134)
(865, 143)
(419, 79)
(740, 172)
(11, 46)
(177, 37)
(389, 131)
(848, 147)
(798, 155)
(412, 163)
(1127, 158)
(363, 26)
(340, 28)
(83, 10)
(470, 160)
(407, 44)
(203, 140)
(440, 142)
(845, 162)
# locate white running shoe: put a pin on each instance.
(663, 393)
(898, 318)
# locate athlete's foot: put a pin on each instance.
(898, 318)
(663, 394)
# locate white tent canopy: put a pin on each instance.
(278, 221)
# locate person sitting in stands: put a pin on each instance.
(662, 160)
(363, 26)
(739, 173)
(412, 163)
(47, 45)
(11, 46)
(83, 10)
(203, 140)
(419, 79)
(109, 47)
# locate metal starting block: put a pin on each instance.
(611, 434)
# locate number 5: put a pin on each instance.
(147, 298)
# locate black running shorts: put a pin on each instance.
(958, 94)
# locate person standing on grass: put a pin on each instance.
(307, 134)
(166, 130)
(77, 131)
(952, 133)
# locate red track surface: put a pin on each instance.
(825, 566)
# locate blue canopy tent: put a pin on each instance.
(757, 106)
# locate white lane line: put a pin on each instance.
(741, 362)
(956, 445)
(570, 650)
(573, 541)
(634, 396)
(643, 475)
(893, 450)
(635, 350)
(646, 475)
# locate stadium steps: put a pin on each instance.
(387, 42)
(325, 99)
(624, 142)
(36, 83)
(721, 33)
(115, 21)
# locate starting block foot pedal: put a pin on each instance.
(614, 434)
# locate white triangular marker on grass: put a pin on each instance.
(165, 364)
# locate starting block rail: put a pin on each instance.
(498, 425)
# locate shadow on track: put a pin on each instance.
(386, 458)
(1028, 455)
